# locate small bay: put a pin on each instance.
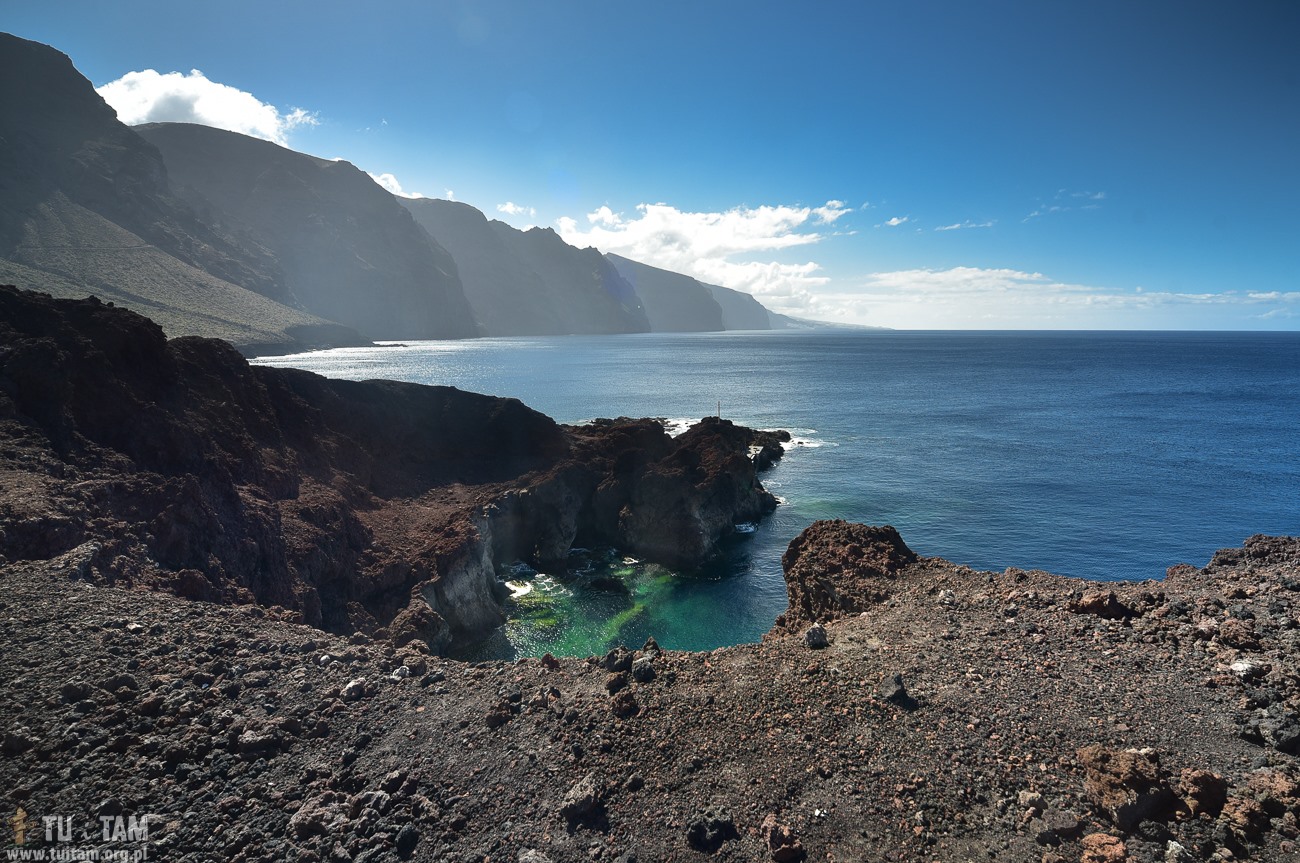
(1101, 455)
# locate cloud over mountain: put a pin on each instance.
(149, 96)
(723, 248)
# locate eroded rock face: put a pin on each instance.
(1129, 786)
(837, 568)
(374, 506)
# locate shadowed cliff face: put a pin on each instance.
(530, 282)
(86, 207)
(348, 250)
(673, 302)
(376, 506)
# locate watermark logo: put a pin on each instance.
(19, 823)
(61, 838)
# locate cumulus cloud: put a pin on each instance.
(510, 208)
(389, 182)
(993, 298)
(152, 97)
(894, 222)
(720, 247)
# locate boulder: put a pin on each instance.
(1129, 786)
(836, 568)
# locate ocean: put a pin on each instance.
(1099, 455)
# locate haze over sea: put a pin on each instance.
(1101, 455)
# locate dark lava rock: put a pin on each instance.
(618, 659)
(892, 690)
(708, 829)
(583, 802)
(643, 670)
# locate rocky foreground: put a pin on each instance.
(935, 713)
(223, 591)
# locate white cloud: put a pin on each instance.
(151, 97)
(510, 208)
(1060, 203)
(894, 222)
(959, 226)
(993, 298)
(831, 211)
(389, 182)
(718, 248)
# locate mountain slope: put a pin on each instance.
(348, 251)
(674, 303)
(507, 296)
(529, 282)
(86, 207)
(740, 311)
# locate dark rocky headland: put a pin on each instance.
(224, 590)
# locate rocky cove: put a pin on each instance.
(373, 507)
(339, 536)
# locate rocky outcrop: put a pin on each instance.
(376, 506)
(837, 568)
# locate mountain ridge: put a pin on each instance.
(215, 233)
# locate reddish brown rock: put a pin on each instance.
(1102, 603)
(781, 841)
(835, 568)
(1103, 848)
(1128, 786)
(1239, 634)
(1245, 817)
(1202, 792)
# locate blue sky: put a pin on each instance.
(920, 164)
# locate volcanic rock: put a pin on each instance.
(1129, 786)
(835, 568)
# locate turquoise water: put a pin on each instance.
(1097, 455)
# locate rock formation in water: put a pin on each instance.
(740, 311)
(354, 505)
(530, 282)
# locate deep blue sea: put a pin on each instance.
(1102, 455)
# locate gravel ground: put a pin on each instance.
(951, 715)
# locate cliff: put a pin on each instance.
(348, 251)
(530, 282)
(356, 506)
(740, 311)
(673, 302)
(86, 206)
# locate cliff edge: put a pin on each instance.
(375, 507)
